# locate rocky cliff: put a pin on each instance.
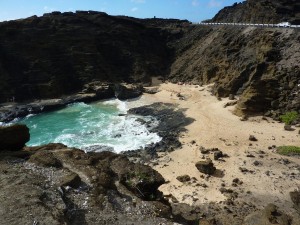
(259, 65)
(261, 11)
(59, 53)
(56, 54)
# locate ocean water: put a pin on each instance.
(91, 127)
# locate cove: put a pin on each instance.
(92, 127)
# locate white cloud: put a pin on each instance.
(215, 3)
(134, 9)
(195, 3)
(138, 1)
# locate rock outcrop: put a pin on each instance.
(252, 63)
(123, 91)
(14, 138)
(69, 50)
(87, 49)
(261, 11)
(60, 185)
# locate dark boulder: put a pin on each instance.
(72, 180)
(252, 138)
(127, 91)
(142, 180)
(183, 178)
(206, 167)
(218, 154)
(14, 137)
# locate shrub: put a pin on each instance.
(289, 117)
(288, 150)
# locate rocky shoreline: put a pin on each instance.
(210, 168)
(68, 186)
(54, 184)
(94, 91)
(171, 123)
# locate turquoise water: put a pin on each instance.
(88, 126)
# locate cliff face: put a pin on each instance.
(43, 57)
(261, 11)
(53, 55)
(260, 65)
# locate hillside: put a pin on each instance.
(261, 11)
(259, 65)
(58, 53)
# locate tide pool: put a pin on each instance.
(88, 126)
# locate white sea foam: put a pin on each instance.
(121, 105)
(30, 115)
(90, 127)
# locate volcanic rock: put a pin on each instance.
(14, 137)
(103, 187)
(141, 180)
(123, 91)
(263, 11)
(183, 178)
(252, 138)
(260, 65)
(206, 167)
(81, 48)
(218, 154)
(73, 180)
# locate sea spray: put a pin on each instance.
(93, 127)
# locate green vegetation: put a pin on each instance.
(134, 178)
(289, 117)
(288, 150)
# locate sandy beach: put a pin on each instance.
(269, 176)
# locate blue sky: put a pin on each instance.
(193, 10)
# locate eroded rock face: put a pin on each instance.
(258, 65)
(14, 137)
(69, 50)
(263, 11)
(93, 188)
(252, 63)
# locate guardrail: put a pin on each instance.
(251, 25)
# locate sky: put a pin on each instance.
(192, 10)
